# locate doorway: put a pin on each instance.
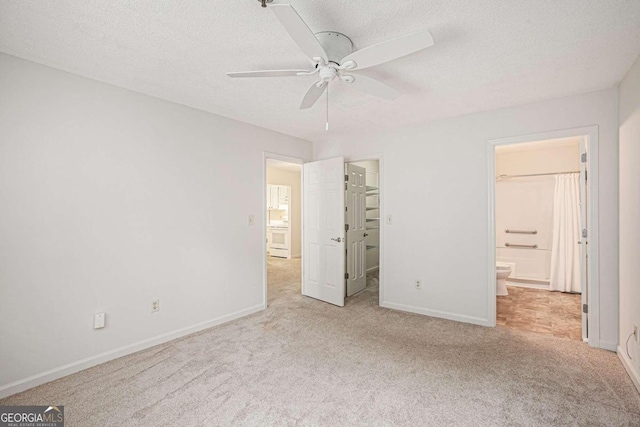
(283, 227)
(338, 225)
(362, 226)
(541, 226)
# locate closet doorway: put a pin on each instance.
(362, 226)
(542, 202)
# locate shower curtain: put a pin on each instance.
(565, 250)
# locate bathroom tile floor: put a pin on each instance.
(537, 310)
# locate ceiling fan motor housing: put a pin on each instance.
(336, 45)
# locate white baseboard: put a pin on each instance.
(527, 285)
(435, 313)
(611, 346)
(635, 376)
(80, 365)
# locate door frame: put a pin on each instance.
(379, 158)
(275, 156)
(593, 282)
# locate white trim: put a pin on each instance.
(275, 156)
(439, 314)
(606, 345)
(635, 377)
(593, 275)
(528, 285)
(379, 158)
(73, 367)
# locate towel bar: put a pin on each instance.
(521, 231)
(510, 245)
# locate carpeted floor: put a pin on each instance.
(304, 362)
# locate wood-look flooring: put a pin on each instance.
(538, 310)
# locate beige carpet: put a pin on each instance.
(304, 362)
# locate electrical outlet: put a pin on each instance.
(155, 305)
(418, 284)
(251, 220)
(635, 332)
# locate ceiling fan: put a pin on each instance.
(333, 57)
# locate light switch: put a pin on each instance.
(251, 220)
(98, 320)
(389, 219)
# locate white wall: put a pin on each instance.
(109, 199)
(564, 158)
(630, 216)
(292, 179)
(436, 187)
(525, 204)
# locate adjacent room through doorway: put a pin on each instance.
(540, 208)
(362, 226)
(284, 228)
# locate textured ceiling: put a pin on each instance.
(488, 54)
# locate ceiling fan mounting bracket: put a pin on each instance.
(336, 45)
(264, 2)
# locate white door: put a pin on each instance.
(324, 246)
(355, 223)
(584, 240)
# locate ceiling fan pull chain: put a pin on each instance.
(327, 126)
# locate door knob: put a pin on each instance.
(339, 239)
(366, 234)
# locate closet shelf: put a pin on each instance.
(373, 227)
(371, 247)
(372, 188)
(373, 209)
(373, 219)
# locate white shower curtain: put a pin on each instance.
(565, 250)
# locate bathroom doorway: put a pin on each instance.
(541, 221)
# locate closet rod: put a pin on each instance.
(535, 174)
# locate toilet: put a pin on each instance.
(502, 272)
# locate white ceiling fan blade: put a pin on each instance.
(374, 87)
(389, 50)
(267, 73)
(313, 94)
(299, 31)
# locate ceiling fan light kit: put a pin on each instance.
(333, 57)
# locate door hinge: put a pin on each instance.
(584, 233)
(583, 158)
(346, 227)
(585, 308)
(346, 178)
(346, 275)
(586, 174)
